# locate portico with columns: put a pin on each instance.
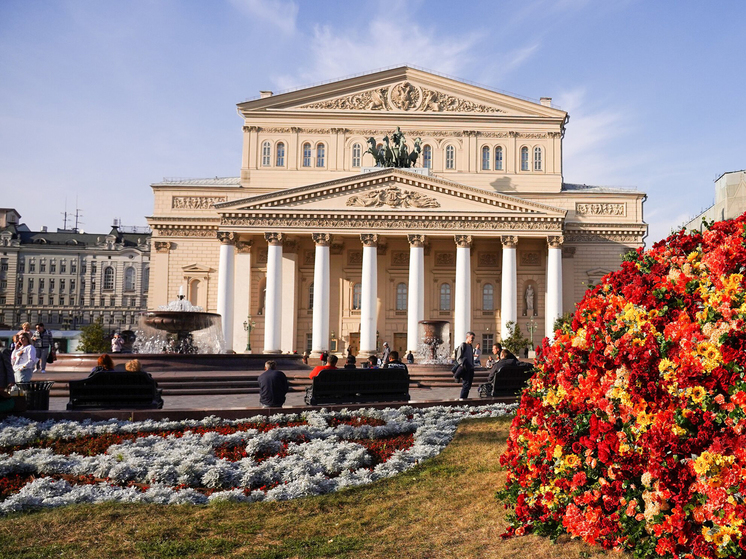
(322, 251)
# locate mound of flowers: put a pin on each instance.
(283, 457)
(632, 435)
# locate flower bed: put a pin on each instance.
(632, 434)
(284, 457)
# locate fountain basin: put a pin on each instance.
(176, 322)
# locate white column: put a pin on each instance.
(369, 302)
(509, 287)
(416, 295)
(242, 295)
(225, 286)
(289, 297)
(273, 304)
(462, 308)
(321, 282)
(554, 284)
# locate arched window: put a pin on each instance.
(145, 279)
(445, 296)
(108, 278)
(357, 296)
(129, 279)
(320, 154)
(488, 297)
(524, 159)
(450, 157)
(537, 159)
(357, 154)
(401, 297)
(427, 157)
(310, 297)
(280, 161)
(498, 158)
(485, 158)
(266, 154)
(306, 155)
(194, 292)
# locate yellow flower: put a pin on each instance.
(558, 451)
(572, 461)
(697, 394)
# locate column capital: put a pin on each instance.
(509, 241)
(369, 239)
(463, 241)
(162, 246)
(274, 239)
(244, 247)
(555, 241)
(322, 239)
(416, 240)
(227, 237)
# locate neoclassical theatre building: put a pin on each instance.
(318, 249)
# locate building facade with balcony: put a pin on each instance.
(67, 279)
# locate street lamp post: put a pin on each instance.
(531, 329)
(248, 326)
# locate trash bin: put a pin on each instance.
(37, 394)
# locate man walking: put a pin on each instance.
(273, 386)
(465, 365)
(43, 343)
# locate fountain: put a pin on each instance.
(180, 328)
(434, 347)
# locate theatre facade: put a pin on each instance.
(315, 248)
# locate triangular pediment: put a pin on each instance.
(197, 269)
(390, 190)
(401, 90)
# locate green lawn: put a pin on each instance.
(445, 508)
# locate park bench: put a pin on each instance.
(115, 390)
(508, 382)
(352, 386)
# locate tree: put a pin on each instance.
(563, 323)
(516, 342)
(93, 338)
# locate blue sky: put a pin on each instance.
(100, 99)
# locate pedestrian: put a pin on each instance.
(273, 386)
(116, 343)
(23, 358)
(43, 343)
(478, 355)
(410, 358)
(7, 376)
(386, 352)
(464, 369)
(324, 358)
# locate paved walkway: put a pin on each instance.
(294, 399)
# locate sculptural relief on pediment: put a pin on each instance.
(394, 197)
(403, 96)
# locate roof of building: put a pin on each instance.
(214, 181)
(595, 188)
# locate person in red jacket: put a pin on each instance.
(331, 364)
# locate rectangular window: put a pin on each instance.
(30, 299)
(72, 301)
(72, 286)
(2, 300)
(320, 155)
(4, 265)
(356, 155)
(74, 267)
(93, 268)
(62, 301)
(83, 267)
(3, 284)
(309, 343)
(537, 159)
(306, 155)
(450, 157)
(41, 285)
(93, 285)
(498, 159)
(103, 301)
(31, 267)
(31, 284)
(62, 286)
(41, 299)
(21, 266)
(51, 285)
(52, 267)
(63, 267)
(113, 301)
(487, 341)
(42, 267)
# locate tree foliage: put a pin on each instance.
(93, 338)
(516, 342)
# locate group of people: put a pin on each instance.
(27, 354)
(389, 360)
(467, 359)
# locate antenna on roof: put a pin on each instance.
(78, 215)
(64, 218)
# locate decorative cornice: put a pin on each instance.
(416, 240)
(322, 239)
(274, 239)
(463, 241)
(555, 241)
(196, 202)
(185, 232)
(369, 239)
(227, 237)
(509, 241)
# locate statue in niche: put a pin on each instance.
(394, 152)
(529, 298)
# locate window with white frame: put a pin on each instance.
(310, 297)
(524, 158)
(63, 266)
(306, 155)
(485, 158)
(357, 154)
(266, 154)
(280, 159)
(320, 155)
(108, 278)
(401, 297)
(488, 297)
(445, 296)
(450, 157)
(357, 296)
(537, 159)
(129, 279)
(498, 158)
(51, 285)
(427, 157)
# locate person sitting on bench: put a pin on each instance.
(105, 363)
(394, 362)
(331, 364)
(507, 359)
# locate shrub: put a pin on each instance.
(93, 338)
(516, 342)
(632, 434)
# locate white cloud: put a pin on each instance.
(279, 13)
